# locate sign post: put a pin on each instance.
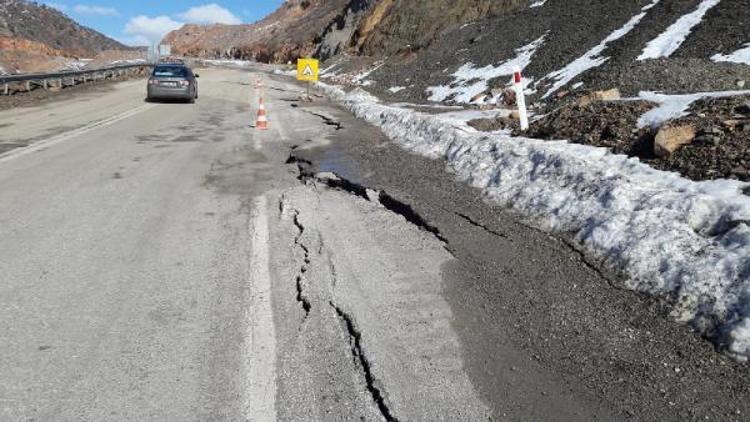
(521, 100)
(308, 71)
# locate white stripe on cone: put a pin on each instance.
(261, 123)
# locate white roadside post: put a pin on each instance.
(521, 100)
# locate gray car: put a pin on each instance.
(172, 82)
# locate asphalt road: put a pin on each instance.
(168, 262)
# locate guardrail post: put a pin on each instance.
(6, 90)
(44, 84)
(28, 86)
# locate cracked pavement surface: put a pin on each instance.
(169, 262)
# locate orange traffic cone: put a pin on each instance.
(262, 122)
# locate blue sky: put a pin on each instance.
(141, 22)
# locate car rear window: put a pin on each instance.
(171, 71)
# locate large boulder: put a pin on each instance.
(671, 138)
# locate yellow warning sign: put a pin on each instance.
(307, 70)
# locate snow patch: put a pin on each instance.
(593, 58)
(675, 106)
(686, 242)
(460, 119)
(360, 79)
(127, 62)
(285, 72)
(670, 40)
(539, 3)
(240, 63)
(470, 81)
(329, 70)
(396, 89)
(740, 56)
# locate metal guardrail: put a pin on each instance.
(64, 74)
(42, 79)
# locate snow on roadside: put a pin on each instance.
(129, 61)
(240, 63)
(539, 3)
(471, 81)
(675, 106)
(593, 58)
(292, 73)
(670, 40)
(684, 241)
(741, 56)
(78, 64)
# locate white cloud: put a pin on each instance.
(83, 9)
(210, 14)
(145, 30)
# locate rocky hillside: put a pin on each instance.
(325, 28)
(667, 81)
(41, 24)
(292, 31)
(401, 25)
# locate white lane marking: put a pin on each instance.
(46, 143)
(261, 344)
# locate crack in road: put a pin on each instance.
(360, 360)
(301, 297)
(355, 341)
(388, 201)
(327, 120)
(481, 226)
(405, 210)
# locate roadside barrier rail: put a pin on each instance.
(59, 80)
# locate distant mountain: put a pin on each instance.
(291, 31)
(26, 21)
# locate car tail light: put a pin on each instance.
(185, 83)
